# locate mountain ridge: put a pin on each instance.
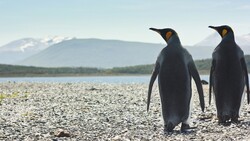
(95, 53)
(20, 49)
(101, 53)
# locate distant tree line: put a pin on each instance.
(14, 70)
(203, 67)
(140, 69)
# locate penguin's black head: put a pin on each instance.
(222, 30)
(165, 33)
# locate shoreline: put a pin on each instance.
(75, 75)
(201, 72)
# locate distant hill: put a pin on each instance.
(103, 54)
(95, 53)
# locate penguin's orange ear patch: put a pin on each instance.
(224, 32)
(168, 35)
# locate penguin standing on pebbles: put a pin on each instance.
(228, 76)
(175, 68)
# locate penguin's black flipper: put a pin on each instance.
(152, 80)
(211, 80)
(194, 73)
(243, 64)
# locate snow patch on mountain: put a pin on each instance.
(54, 40)
(18, 50)
(22, 48)
(32, 44)
(214, 39)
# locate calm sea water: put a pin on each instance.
(90, 79)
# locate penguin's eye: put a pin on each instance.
(168, 35)
(224, 32)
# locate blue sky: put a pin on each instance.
(124, 20)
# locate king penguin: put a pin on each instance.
(175, 67)
(228, 75)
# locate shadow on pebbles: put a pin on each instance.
(89, 111)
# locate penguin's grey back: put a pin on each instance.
(228, 78)
(175, 83)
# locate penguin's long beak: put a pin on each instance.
(156, 30)
(213, 27)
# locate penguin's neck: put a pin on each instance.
(174, 40)
(229, 38)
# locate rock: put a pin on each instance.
(204, 82)
(119, 138)
(62, 133)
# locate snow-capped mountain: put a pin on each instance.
(27, 44)
(208, 44)
(214, 39)
(19, 49)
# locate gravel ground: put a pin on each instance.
(89, 111)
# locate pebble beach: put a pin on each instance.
(101, 111)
